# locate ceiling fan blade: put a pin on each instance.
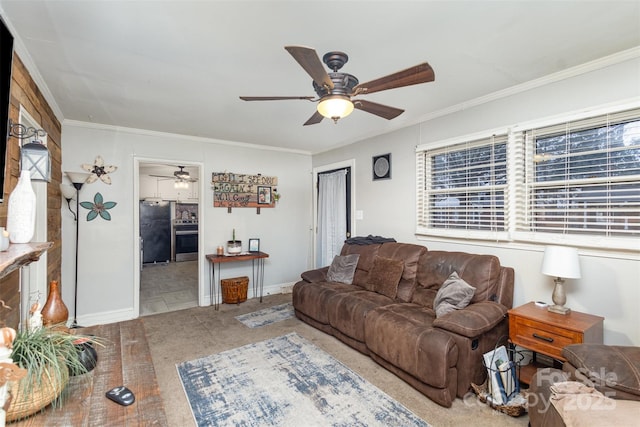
(274, 98)
(421, 73)
(380, 110)
(316, 118)
(161, 176)
(309, 60)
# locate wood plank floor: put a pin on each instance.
(124, 360)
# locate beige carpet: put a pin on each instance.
(196, 332)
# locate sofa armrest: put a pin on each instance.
(314, 276)
(473, 320)
(541, 412)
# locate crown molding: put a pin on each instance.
(173, 136)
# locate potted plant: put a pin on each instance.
(234, 246)
(49, 355)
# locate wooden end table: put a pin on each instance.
(541, 331)
(257, 263)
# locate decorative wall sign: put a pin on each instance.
(98, 207)
(99, 170)
(231, 190)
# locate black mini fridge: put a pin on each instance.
(155, 231)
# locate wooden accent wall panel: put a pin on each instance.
(25, 92)
(10, 294)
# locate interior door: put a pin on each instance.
(333, 213)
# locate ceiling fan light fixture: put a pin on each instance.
(181, 185)
(335, 107)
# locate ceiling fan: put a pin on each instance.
(180, 175)
(336, 90)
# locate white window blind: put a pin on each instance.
(582, 178)
(461, 189)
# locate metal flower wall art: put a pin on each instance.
(98, 207)
(99, 170)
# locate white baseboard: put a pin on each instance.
(106, 317)
(127, 314)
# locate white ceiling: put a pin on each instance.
(179, 66)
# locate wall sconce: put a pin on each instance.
(34, 155)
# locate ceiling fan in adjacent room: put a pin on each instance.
(181, 177)
(336, 90)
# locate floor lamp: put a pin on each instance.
(77, 180)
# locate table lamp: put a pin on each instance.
(562, 263)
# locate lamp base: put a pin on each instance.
(560, 309)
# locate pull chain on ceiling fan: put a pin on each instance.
(336, 89)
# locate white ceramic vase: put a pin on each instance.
(21, 215)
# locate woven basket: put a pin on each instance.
(512, 410)
(27, 399)
(234, 290)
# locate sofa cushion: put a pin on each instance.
(385, 276)
(347, 311)
(402, 335)
(480, 271)
(311, 298)
(342, 268)
(365, 262)
(607, 366)
(410, 255)
(454, 294)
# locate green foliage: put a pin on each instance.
(48, 355)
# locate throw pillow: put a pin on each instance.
(385, 275)
(342, 268)
(454, 294)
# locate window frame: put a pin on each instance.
(423, 152)
(517, 194)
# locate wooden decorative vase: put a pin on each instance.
(54, 311)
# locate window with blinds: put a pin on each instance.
(576, 182)
(464, 186)
(583, 177)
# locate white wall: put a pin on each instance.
(107, 252)
(610, 286)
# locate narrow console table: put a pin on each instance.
(257, 265)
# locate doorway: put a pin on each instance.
(168, 203)
(334, 201)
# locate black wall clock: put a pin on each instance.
(382, 167)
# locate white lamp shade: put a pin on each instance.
(561, 261)
(77, 177)
(68, 192)
(335, 107)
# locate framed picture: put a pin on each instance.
(382, 167)
(264, 195)
(254, 245)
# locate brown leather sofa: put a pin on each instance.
(613, 371)
(439, 356)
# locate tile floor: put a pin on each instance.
(168, 287)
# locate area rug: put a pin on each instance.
(267, 316)
(285, 381)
